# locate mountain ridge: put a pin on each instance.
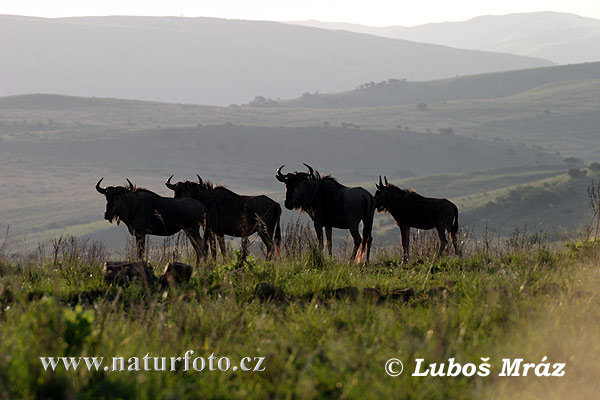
(214, 61)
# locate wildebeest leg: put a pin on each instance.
(356, 236)
(140, 242)
(455, 243)
(264, 236)
(319, 230)
(367, 238)
(210, 237)
(328, 232)
(443, 241)
(221, 240)
(197, 243)
(405, 235)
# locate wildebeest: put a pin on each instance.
(229, 213)
(410, 209)
(146, 213)
(331, 205)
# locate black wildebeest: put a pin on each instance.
(146, 213)
(229, 213)
(331, 205)
(410, 209)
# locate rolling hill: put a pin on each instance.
(480, 86)
(54, 148)
(214, 61)
(559, 37)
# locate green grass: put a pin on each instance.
(316, 345)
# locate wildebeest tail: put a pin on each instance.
(455, 220)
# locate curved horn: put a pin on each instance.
(280, 177)
(100, 189)
(380, 184)
(169, 184)
(310, 170)
(386, 182)
(199, 179)
(130, 184)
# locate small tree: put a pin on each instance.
(571, 161)
(595, 167)
(575, 173)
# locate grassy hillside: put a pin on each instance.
(561, 116)
(55, 148)
(327, 332)
(481, 86)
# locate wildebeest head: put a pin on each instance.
(115, 200)
(293, 185)
(387, 194)
(188, 188)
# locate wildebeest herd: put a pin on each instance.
(219, 212)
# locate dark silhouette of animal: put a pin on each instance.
(146, 213)
(410, 209)
(229, 213)
(331, 205)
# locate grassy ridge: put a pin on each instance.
(480, 86)
(316, 343)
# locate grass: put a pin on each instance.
(318, 343)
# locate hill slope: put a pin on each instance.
(559, 37)
(481, 86)
(214, 61)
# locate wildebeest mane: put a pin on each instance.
(326, 186)
(140, 189)
(397, 190)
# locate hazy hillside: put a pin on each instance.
(559, 37)
(54, 148)
(481, 86)
(214, 61)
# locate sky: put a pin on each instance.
(365, 12)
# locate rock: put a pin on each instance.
(401, 294)
(349, 292)
(175, 273)
(123, 272)
(372, 294)
(267, 292)
(438, 291)
(6, 296)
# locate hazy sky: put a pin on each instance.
(366, 12)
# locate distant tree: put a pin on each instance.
(446, 131)
(595, 167)
(261, 101)
(575, 173)
(422, 106)
(571, 161)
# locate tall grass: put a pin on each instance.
(321, 339)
